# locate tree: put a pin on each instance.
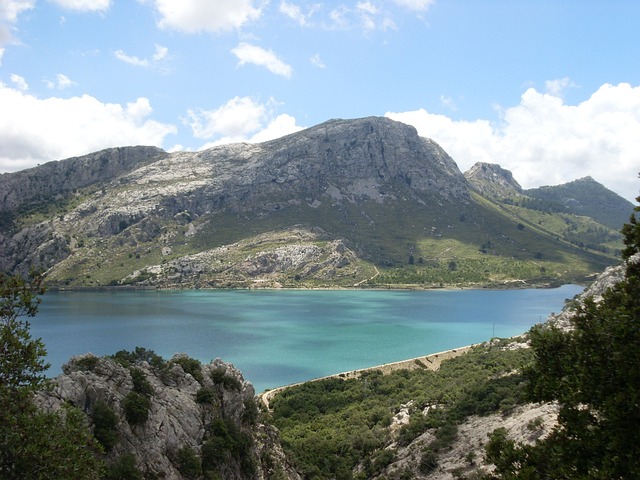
(593, 371)
(35, 444)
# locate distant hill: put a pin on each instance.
(587, 197)
(354, 203)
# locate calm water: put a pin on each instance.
(280, 337)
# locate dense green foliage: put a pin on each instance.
(225, 442)
(139, 354)
(35, 444)
(105, 425)
(330, 426)
(593, 371)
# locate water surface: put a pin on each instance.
(277, 337)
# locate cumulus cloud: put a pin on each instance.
(35, 130)
(248, 53)
(84, 5)
(240, 119)
(193, 16)
(544, 141)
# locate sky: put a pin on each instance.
(549, 89)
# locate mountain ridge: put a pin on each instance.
(387, 206)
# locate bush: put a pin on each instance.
(124, 468)
(428, 462)
(136, 408)
(205, 396)
(220, 376)
(188, 463)
(127, 359)
(191, 366)
(105, 425)
(87, 363)
(140, 383)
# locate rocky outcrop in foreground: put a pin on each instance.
(179, 418)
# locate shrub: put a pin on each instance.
(428, 462)
(205, 396)
(140, 383)
(105, 425)
(136, 408)
(191, 366)
(140, 354)
(220, 376)
(124, 468)
(188, 463)
(87, 363)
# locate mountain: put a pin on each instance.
(587, 197)
(364, 202)
(491, 180)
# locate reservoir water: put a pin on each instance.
(278, 337)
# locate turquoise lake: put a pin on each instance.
(278, 337)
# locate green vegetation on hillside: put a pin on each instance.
(593, 371)
(329, 427)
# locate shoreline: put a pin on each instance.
(431, 361)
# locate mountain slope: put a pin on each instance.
(347, 202)
(585, 196)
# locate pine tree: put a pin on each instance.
(593, 371)
(35, 444)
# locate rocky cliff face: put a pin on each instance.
(53, 180)
(202, 419)
(493, 181)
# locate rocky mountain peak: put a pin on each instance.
(492, 180)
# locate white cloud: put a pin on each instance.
(131, 59)
(235, 119)
(84, 5)
(34, 130)
(543, 141)
(215, 16)
(417, 5)
(365, 15)
(161, 54)
(61, 82)
(240, 119)
(448, 102)
(558, 86)
(9, 11)
(248, 53)
(278, 127)
(293, 12)
(20, 83)
(317, 61)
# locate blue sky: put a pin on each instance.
(548, 89)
